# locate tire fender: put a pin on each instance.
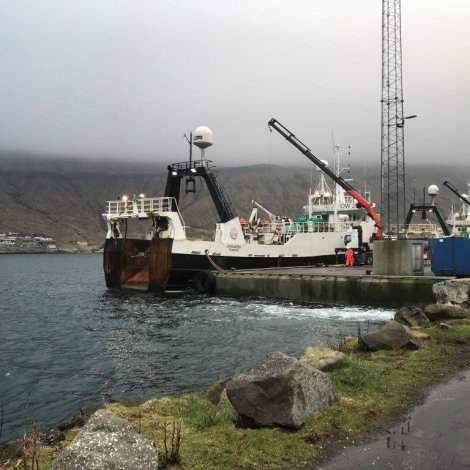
(204, 282)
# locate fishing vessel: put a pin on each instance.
(425, 229)
(459, 220)
(165, 259)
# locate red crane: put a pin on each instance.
(290, 137)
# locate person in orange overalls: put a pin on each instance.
(349, 257)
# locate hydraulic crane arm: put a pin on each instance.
(271, 216)
(299, 145)
(457, 192)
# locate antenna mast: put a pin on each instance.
(392, 148)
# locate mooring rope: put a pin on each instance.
(213, 263)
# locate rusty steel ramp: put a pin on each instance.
(137, 265)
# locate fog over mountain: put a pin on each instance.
(125, 79)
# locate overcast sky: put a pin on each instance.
(126, 78)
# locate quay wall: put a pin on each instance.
(367, 290)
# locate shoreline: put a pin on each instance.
(48, 252)
(371, 407)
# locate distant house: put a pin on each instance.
(82, 243)
(7, 241)
(22, 239)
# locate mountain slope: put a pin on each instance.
(65, 198)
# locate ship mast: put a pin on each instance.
(339, 192)
(338, 189)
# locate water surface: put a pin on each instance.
(66, 341)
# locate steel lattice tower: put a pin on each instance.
(392, 149)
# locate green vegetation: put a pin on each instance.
(372, 390)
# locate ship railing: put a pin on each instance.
(325, 208)
(349, 202)
(291, 228)
(414, 230)
(346, 203)
(193, 164)
(139, 207)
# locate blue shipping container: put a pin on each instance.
(450, 256)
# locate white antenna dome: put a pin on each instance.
(465, 196)
(203, 137)
(324, 163)
(433, 190)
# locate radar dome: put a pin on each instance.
(433, 190)
(465, 196)
(203, 137)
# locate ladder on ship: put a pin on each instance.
(202, 168)
(221, 200)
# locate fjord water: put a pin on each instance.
(65, 341)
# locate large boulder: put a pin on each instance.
(281, 391)
(323, 358)
(438, 312)
(453, 291)
(392, 335)
(107, 442)
(411, 316)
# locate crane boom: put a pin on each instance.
(457, 192)
(271, 216)
(299, 145)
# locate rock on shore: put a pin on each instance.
(453, 292)
(107, 442)
(281, 391)
(438, 312)
(411, 316)
(323, 358)
(392, 335)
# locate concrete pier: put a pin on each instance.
(332, 285)
(399, 257)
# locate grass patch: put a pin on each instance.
(372, 389)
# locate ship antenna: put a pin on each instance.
(365, 180)
(311, 181)
(190, 142)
